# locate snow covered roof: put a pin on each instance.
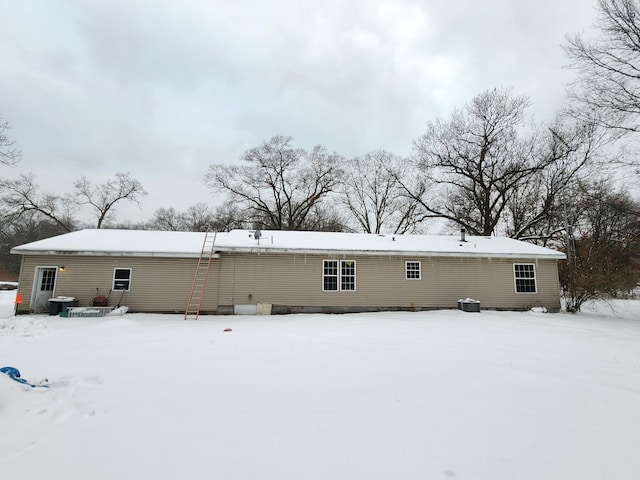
(189, 244)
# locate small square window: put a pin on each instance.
(413, 270)
(121, 279)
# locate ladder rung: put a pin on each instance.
(196, 296)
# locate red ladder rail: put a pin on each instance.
(198, 288)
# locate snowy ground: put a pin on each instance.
(434, 395)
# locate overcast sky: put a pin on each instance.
(163, 89)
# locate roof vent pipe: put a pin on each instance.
(463, 235)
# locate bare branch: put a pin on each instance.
(476, 159)
(22, 196)
(373, 194)
(103, 198)
(8, 154)
(279, 186)
(608, 67)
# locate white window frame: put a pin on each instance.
(113, 283)
(418, 270)
(325, 275)
(533, 278)
(340, 276)
(344, 277)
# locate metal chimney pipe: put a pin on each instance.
(463, 235)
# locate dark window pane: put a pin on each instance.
(331, 283)
(413, 270)
(348, 275)
(330, 275)
(525, 278)
(48, 279)
(121, 279)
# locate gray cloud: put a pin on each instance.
(163, 89)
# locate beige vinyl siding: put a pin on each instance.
(491, 281)
(157, 284)
(25, 281)
(296, 280)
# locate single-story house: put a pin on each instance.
(154, 271)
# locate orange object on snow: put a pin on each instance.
(18, 298)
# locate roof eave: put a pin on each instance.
(304, 251)
(322, 251)
(85, 253)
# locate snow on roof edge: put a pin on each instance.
(414, 253)
(146, 243)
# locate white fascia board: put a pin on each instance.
(110, 254)
(301, 251)
(393, 253)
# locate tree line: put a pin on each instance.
(486, 167)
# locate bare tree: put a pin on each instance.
(103, 198)
(8, 154)
(603, 244)
(28, 227)
(166, 219)
(198, 217)
(23, 196)
(375, 198)
(568, 151)
(229, 216)
(608, 67)
(471, 164)
(279, 185)
(325, 217)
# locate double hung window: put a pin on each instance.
(339, 275)
(525, 277)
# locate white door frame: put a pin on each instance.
(39, 297)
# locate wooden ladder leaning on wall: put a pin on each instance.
(200, 278)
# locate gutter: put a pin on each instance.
(110, 254)
(403, 253)
(308, 251)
